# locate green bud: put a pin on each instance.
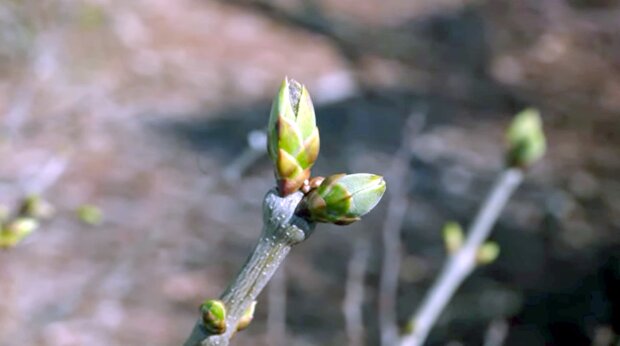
(90, 214)
(526, 139)
(214, 316)
(35, 207)
(342, 199)
(487, 253)
(15, 231)
(452, 236)
(293, 138)
(247, 317)
(408, 328)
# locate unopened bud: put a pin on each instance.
(342, 199)
(452, 236)
(214, 316)
(247, 317)
(16, 230)
(293, 138)
(526, 139)
(487, 253)
(34, 206)
(90, 214)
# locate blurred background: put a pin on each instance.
(134, 120)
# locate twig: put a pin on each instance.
(463, 262)
(276, 319)
(397, 209)
(282, 229)
(354, 293)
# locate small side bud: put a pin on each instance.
(487, 253)
(408, 328)
(17, 230)
(526, 139)
(35, 207)
(342, 199)
(214, 316)
(292, 136)
(90, 214)
(452, 236)
(247, 317)
(311, 184)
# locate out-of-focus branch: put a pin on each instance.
(352, 306)
(526, 144)
(31, 208)
(463, 261)
(397, 208)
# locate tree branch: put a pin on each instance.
(397, 210)
(281, 230)
(463, 262)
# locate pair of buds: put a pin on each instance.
(213, 313)
(293, 146)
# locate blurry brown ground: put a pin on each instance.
(145, 103)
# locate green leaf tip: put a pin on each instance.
(526, 139)
(214, 316)
(487, 253)
(452, 236)
(342, 199)
(90, 214)
(292, 136)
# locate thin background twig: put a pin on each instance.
(397, 207)
(352, 305)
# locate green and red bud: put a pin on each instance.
(214, 316)
(293, 138)
(342, 199)
(525, 139)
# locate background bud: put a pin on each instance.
(342, 199)
(487, 253)
(90, 214)
(214, 316)
(452, 236)
(293, 138)
(16, 230)
(526, 139)
(35, 207)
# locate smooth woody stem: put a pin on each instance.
(462, 262)
(281, 230)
